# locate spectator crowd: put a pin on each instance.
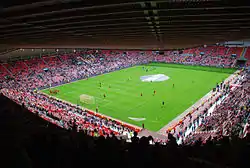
(231, 117)
(28, 141)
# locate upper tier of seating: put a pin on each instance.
(91, 64)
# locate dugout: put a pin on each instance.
(241, 62)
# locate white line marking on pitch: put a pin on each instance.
(137, 119)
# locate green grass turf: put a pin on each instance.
(123, 99)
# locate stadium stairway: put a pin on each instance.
(44, 61)
(7, 70)
(227, 52)
(243, 53)
(247, 55)
(147, 133)
(60, 59)
(24, 62)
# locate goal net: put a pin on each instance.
(86, 99)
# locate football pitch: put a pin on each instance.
(132, 100)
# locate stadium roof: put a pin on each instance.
(121, 24)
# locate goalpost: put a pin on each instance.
(86, 99)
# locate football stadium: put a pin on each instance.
(125, 83)
(143, 92)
